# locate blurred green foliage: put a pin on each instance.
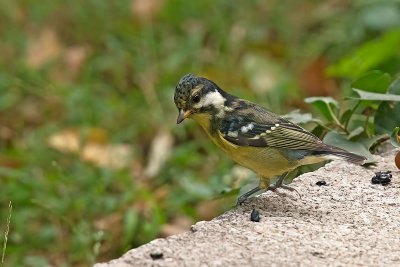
(84, 82)
(371, 119)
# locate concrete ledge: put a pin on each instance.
(347, 222)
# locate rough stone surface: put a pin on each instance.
(345, 223)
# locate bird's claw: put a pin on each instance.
(274, 187)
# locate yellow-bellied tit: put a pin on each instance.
(251, 135)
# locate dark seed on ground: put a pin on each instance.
(156, 255)
(383, 178)
(317, 253)
(385, 182)
(375, 180)
(320, 183)
(255, 216)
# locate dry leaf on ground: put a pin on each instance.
(99, 153)
(145, 10)
(42, 49)
(115, 156)
(160, 151)
(66, 141)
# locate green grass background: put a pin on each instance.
(105, 72)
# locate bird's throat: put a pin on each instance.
(203, 119)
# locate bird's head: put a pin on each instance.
(198, 96)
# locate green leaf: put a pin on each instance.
(395, 137)
(326, 100)
(296, 117)
(319, 130)
(327, 106)
(131, 221)
(387, 116)
(373, 81)
(394, 87)
(369, 142)
(346, 116)
(356, 132)
(375, 96)
(335, 139)
(368, 56)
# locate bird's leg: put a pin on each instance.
(243, 197)
(279, 184)
(263, 185)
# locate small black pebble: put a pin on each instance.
(255, 216)
(320, 183)
(317, 254)
(383, 178)
(375, 180)
(156, 255)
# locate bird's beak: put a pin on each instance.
(182, 115)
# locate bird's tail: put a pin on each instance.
(338, 153)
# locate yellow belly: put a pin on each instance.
(265, 162)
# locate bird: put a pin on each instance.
(253, 136)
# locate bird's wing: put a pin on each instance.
(277, 133)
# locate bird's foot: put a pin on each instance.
(286, 187)
(241, 200)
(246, 195)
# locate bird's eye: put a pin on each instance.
(196, 98)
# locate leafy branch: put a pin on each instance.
(370, 120)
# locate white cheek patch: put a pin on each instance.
(215, 99)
